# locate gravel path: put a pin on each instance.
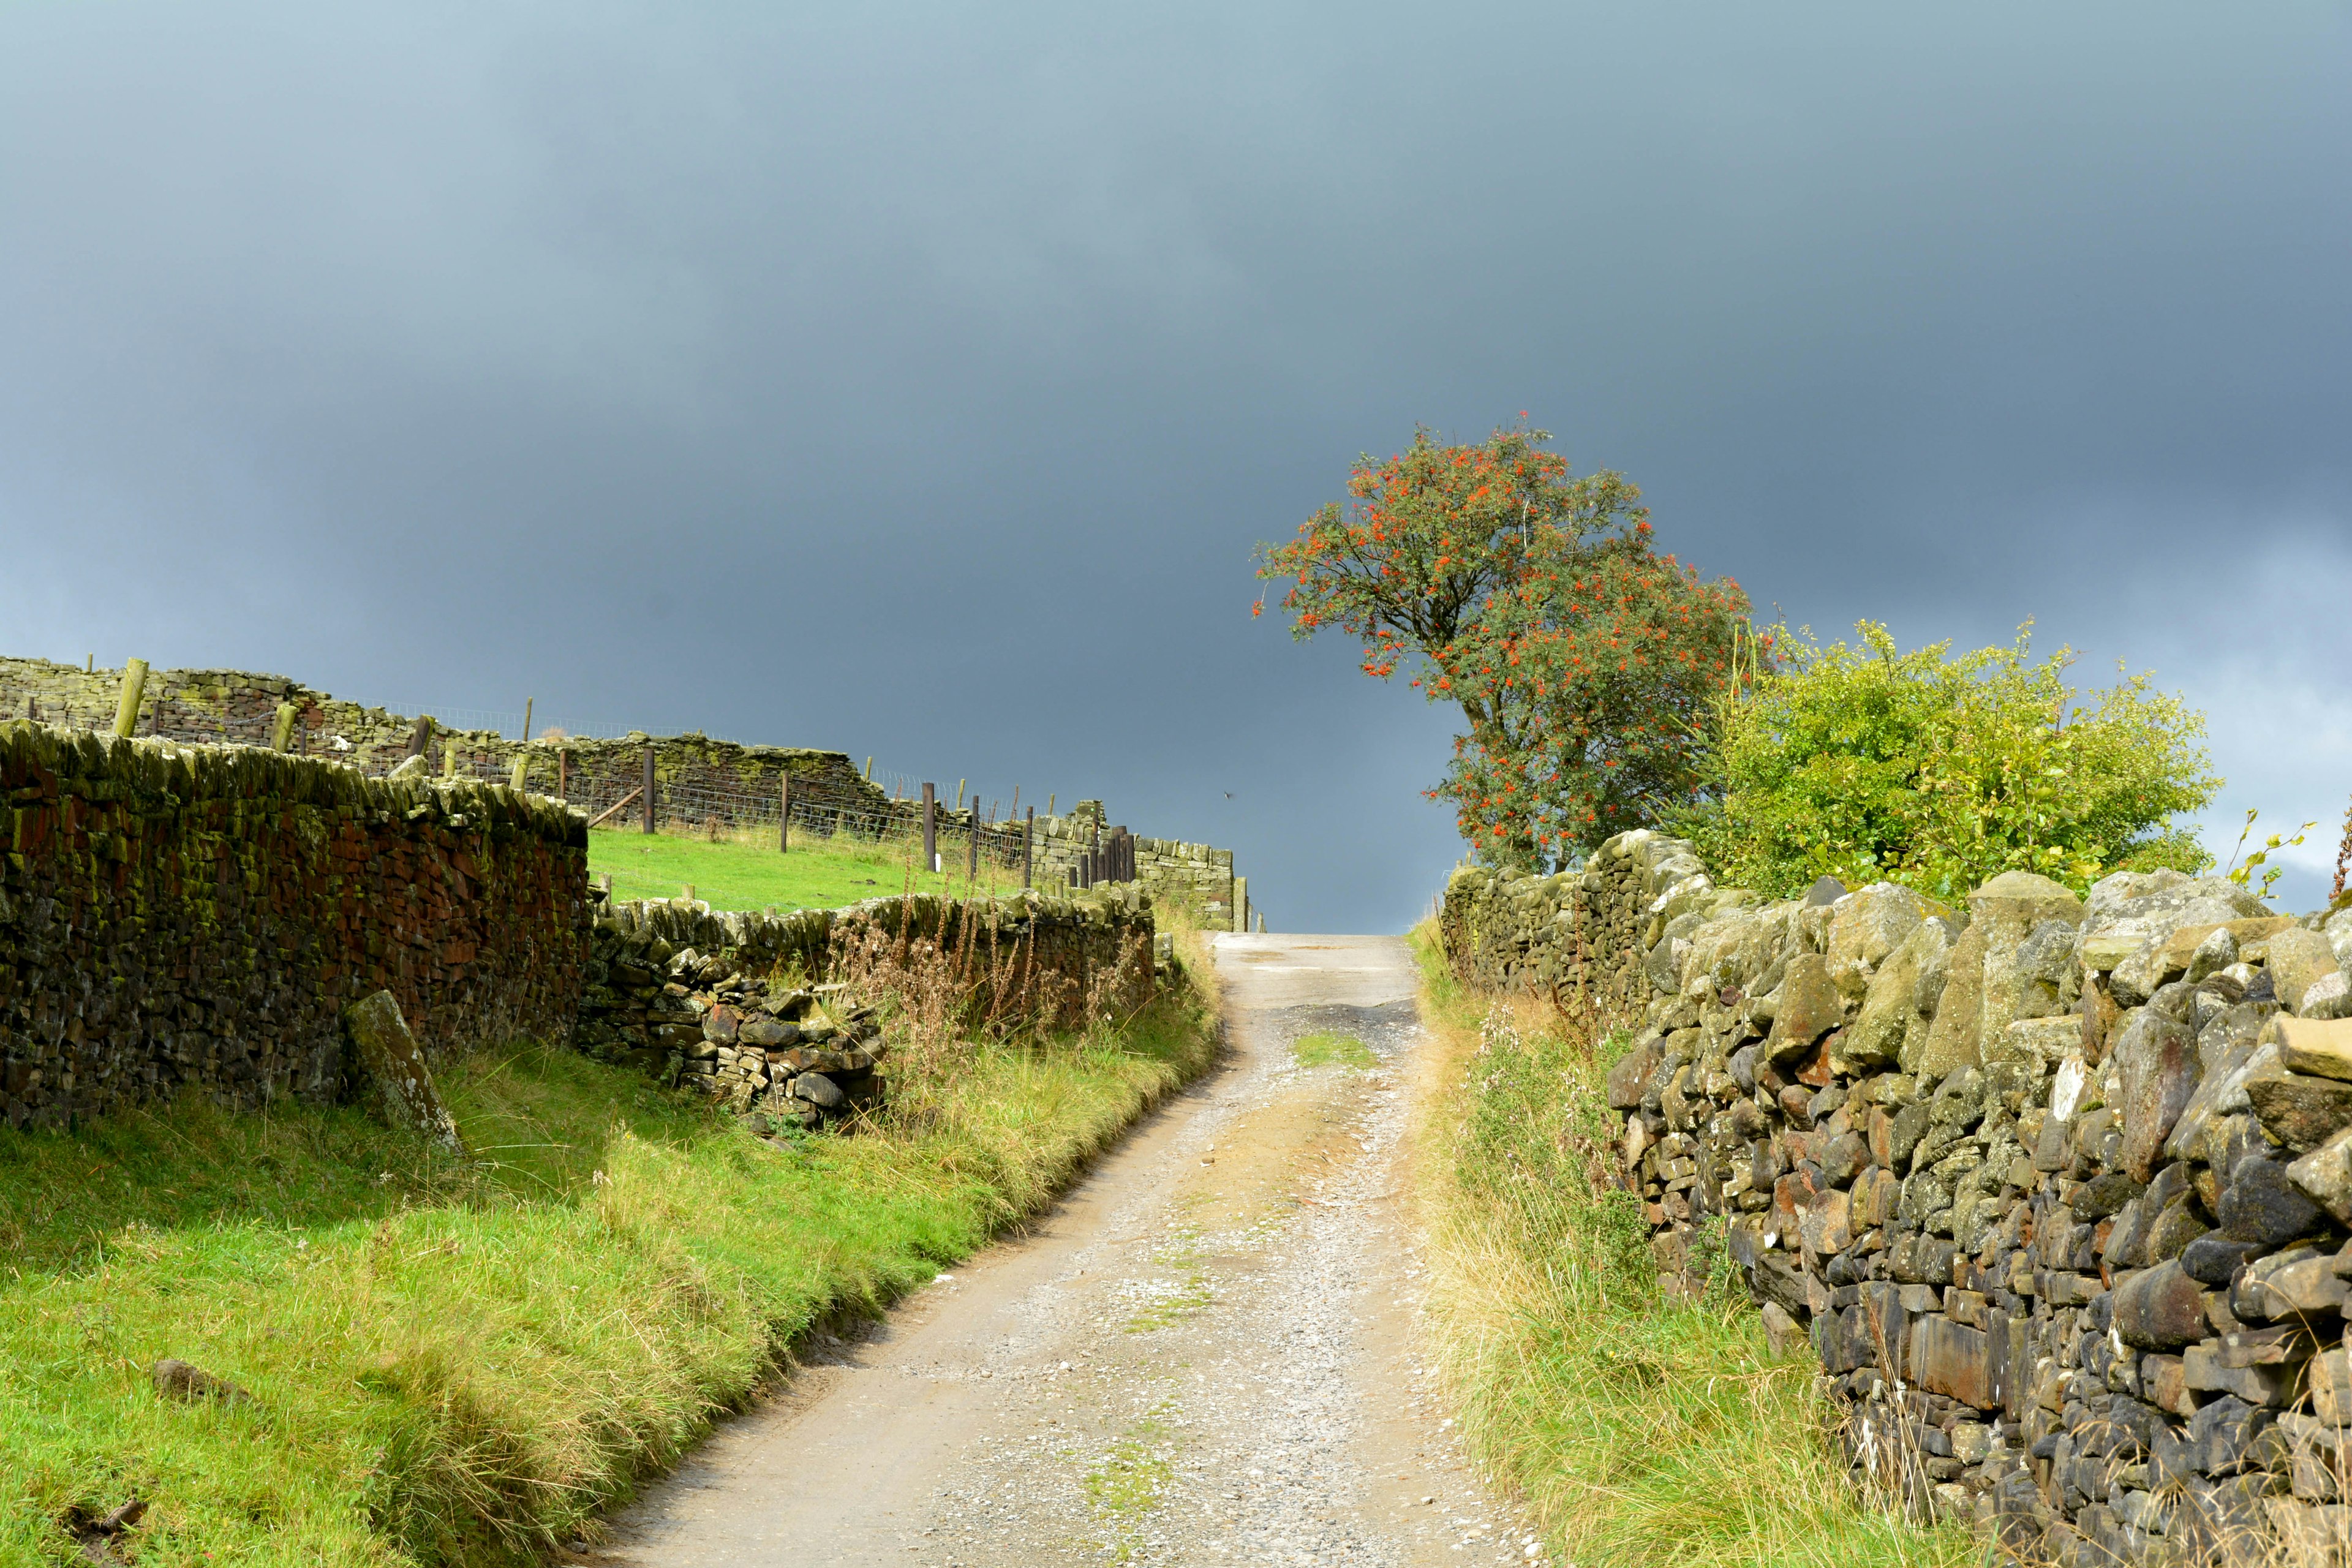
(1203, 1356)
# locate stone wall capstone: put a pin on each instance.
(174, 916)
(2058, 1189)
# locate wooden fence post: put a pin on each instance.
(648, 802)
(930, 829)
(784, 816)
(126, 711)
(971, 839)
(420, 735)
(563, 772)
(526, 720)
(1028, 838)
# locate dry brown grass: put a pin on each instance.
(1638, 1429)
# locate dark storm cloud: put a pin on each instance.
(916, 380)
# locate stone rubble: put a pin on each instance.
(694, 998)
(2056, 1189)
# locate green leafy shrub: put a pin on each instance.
(1941, 771)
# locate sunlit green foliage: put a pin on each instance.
(1941, 771)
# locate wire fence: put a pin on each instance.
(960, 838)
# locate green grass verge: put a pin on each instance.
(817, 873)
(466, 1362)
(1326, 1049)
(1639, 1428)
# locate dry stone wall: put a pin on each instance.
(237, 706)
(1195, 877)
(176, 916)
(698, 780)
(743, 1008)
(173, 916)
(2057, 1189)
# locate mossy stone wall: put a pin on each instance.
(174, 916)
(2056, 1190)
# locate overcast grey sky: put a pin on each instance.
(914, 380)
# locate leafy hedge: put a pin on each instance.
(1941, 771)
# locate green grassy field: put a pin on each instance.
(1640, 1429)
(454, 1362)
(818, 873)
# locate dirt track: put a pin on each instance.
(1203, 1356)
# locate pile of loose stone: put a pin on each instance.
(2057, 1190)
(782, 1056)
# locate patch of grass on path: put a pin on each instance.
(456, 1363)
(742, 874)
(1128, 1483)
(1639, 1429)
(1327, 1050)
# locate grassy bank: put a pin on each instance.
(454, 1362)
(747, 872)
(1640, 1429)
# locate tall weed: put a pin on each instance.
(947, 987)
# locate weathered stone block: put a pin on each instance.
(2299, 960)
(2302, 1111)
(1950, 1359)
(2204, 1371)
(1810, 1007)
(2160, 1309)
(2322, 1047)
(395, 1067)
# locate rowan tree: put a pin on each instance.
(1584, 662)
